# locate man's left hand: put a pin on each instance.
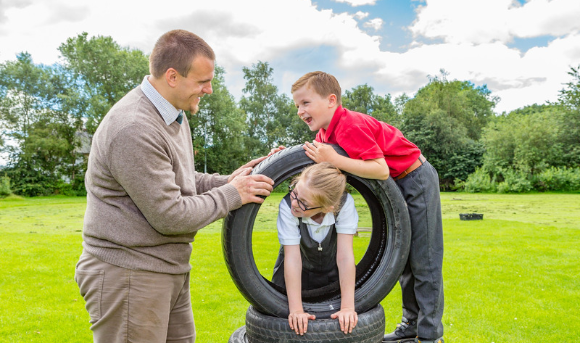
(250, 165)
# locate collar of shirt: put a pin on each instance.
(326, 221)
(168, 112)
(327, 134)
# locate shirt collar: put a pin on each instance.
(168, 112)
(327, 220)
(326, 134)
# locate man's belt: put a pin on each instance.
(413, 166)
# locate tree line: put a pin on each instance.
(47, 113)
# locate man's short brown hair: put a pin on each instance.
(176, 49)
(323, 83)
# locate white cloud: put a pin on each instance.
(518, 79)
(542, 17)
(486, 21)
(375, 24)
(65, 12)
(361, 15)
(472, 38)
(475, 34)
(355, 3)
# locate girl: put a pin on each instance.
(316, 224)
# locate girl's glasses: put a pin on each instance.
(301, 204)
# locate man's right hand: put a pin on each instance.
(251, 187)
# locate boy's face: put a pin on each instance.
(316, 111)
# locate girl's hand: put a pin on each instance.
(347, 318)
(299, 321)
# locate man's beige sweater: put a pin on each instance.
(145, 201)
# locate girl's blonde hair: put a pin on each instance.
(325, 181)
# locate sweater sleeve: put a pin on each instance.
(140, 163)
(205, 182)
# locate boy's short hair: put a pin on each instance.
(177, 49)
(323, 83)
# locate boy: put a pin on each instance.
(377, 150)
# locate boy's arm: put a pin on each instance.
(369, 169)
(347, 316)
(297, 318)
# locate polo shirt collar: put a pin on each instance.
(326, 134)
(168, 112)
(327, 220)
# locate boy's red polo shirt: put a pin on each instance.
(365, 138)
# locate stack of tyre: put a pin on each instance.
(376, 273)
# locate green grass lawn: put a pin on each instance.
(513, 277)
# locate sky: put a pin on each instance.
(522, 50)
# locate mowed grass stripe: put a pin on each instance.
(512, 277)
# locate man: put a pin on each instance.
(145, 201)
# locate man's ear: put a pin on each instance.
(171, 76)
(332, 100)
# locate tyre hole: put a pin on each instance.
(265, 242)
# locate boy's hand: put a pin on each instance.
(320, 152)
(347, 318)
(275, 150)
(299, 321)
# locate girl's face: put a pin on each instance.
(303, 204)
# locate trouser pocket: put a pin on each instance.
(91, 287)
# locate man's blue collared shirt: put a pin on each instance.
(167, 110)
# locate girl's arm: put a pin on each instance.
(347, 316)
(298, 319)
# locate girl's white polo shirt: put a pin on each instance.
(289, 233)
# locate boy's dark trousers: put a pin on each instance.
(422, 279)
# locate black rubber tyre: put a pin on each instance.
(377, 271)
(239, 336)
(261, 328)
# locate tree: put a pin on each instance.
(445, 119)
(35, 120)
(471, 106)
(266, 111)
(104, 72)
(570, 123)
(362, 99)
(218, 130)
(22, 99)
(524, 140)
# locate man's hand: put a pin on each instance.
(320, 152)
(250, 165)
(251, 186)
(299, 321)
(347, 318)
(275, 150)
